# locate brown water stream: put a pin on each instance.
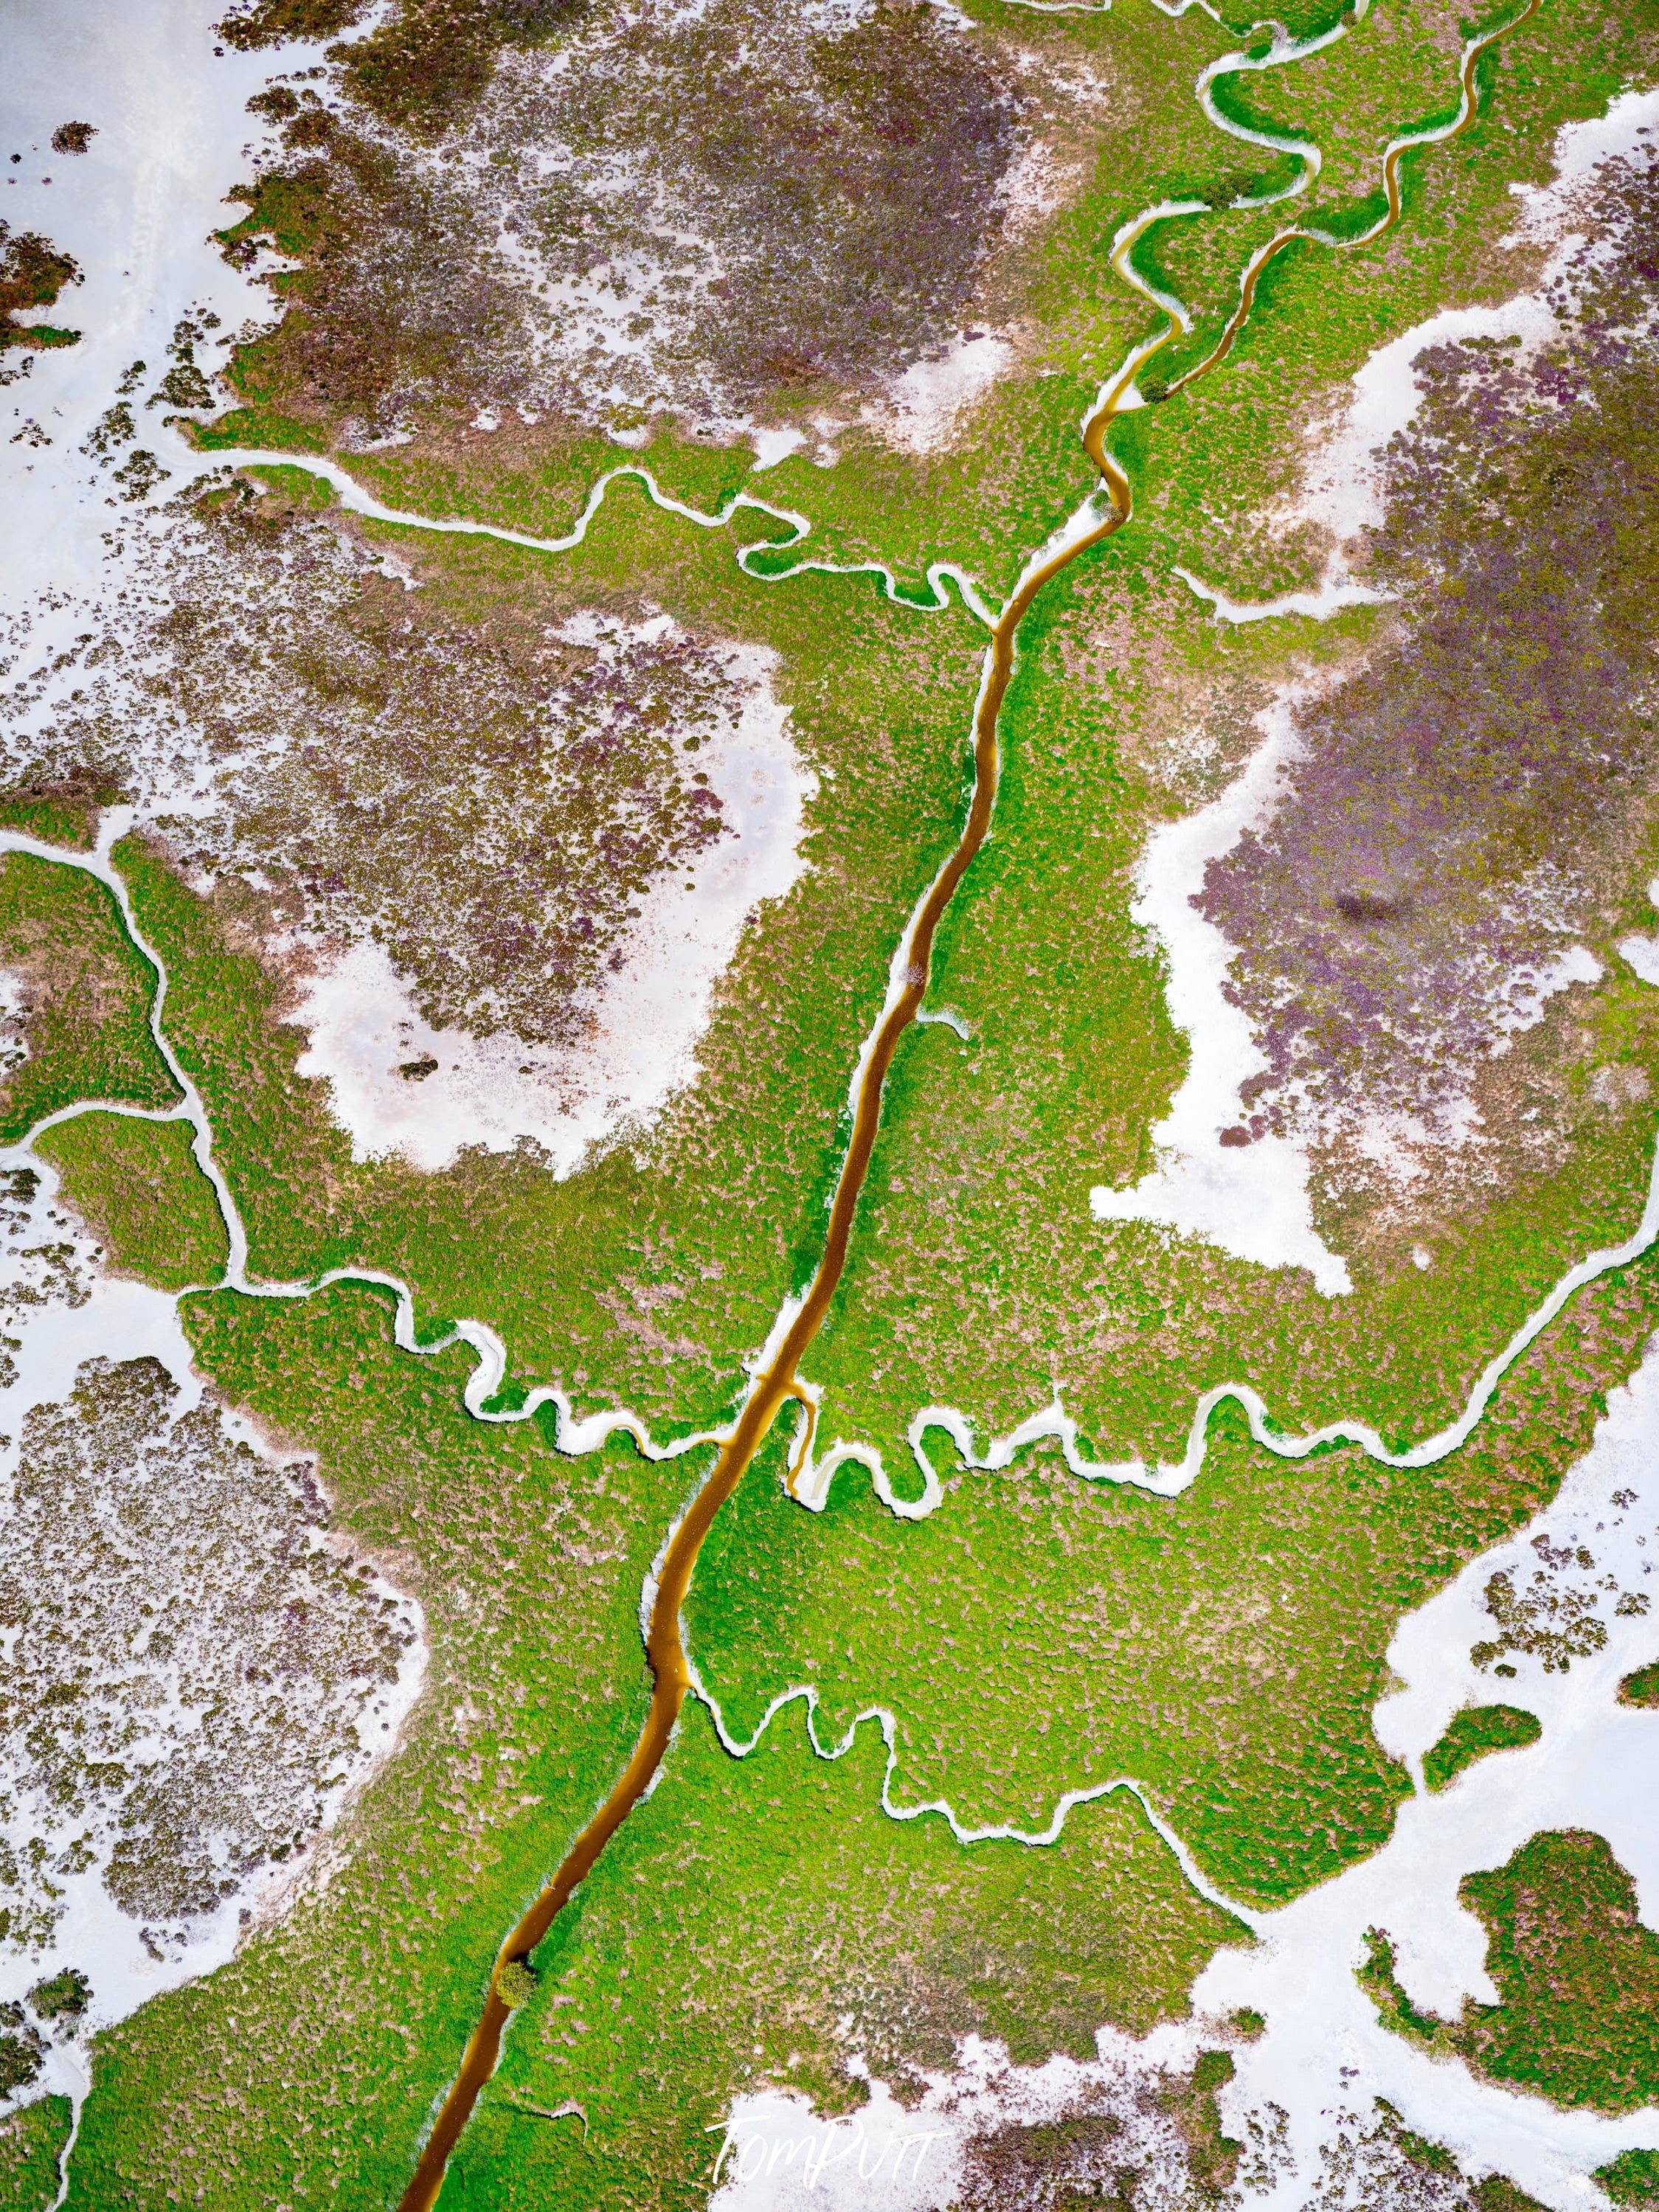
(778, 1380)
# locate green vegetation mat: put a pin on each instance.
(529, 1566)
(1038, 1633)
(1632, 2177)
(304, 2071)
(1578, 1975)
(649, 1275)
(32, 2140)
(1498, 2193)
(977, 1278)
(136, 1184)
(977, 1205)
(827, 1929)
(86, 998)
(1471, 1733)
(763, 1919)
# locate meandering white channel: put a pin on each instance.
(1324, 2052)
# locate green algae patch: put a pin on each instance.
(1577, 1974)
(1471, 1733)
(84, 992)
(515, 1984)
(138, 1187)
(32, 2141)
(759, 1920)
(1632, 2177)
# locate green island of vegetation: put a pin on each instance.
(1577, 1969)
(1470, 1734)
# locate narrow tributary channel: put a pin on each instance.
(778, 1380)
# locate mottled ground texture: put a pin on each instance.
(603, 212)
(1477, 799)
(1141, 2137)
(184, 1661)
(489, 805)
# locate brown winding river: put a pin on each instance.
(778, 1380)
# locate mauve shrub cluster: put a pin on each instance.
(421, 62)
(184, 1665)
(1471, 799)
(490, 808)
(659, 208)
(397, 301)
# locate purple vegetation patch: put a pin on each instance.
(1468, 803)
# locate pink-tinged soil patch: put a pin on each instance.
(400, 1085)
(655, 208)
(1465, 816)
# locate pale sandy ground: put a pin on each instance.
(924, 409)
(1253, 1201)
(646, 1020)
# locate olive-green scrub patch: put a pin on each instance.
(137, 1186)
(1471, 1733)
(83, 993)
(32, 2141)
